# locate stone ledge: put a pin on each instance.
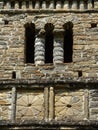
(38, 83)
(19, 11)
(49, 80)
(65, 123)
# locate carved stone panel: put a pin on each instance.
(30, 105)
(5, 105)
(69, 105)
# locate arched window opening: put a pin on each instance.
(68, 42)
(29, 42)
(49, 38)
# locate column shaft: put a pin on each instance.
(24, 5)
(82, 5)
(44, 5)
(16, 5)
(89, 4)
(37, 4)
(74, 4)
(66, 4)
(30, 5)
(51, 5)
(39, 51)
(8, 5)
(58, 5)
(58, 50)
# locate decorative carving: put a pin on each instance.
(39, 51)
(30, 106)
(69, 105)
(58, 50)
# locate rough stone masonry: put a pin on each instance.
(49, 64)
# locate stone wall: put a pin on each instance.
(43, 95)
(29, 104)
(12, 45)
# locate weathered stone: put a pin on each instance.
(64, 93)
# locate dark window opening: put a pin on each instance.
(20, 5)
(92, 3)
(12, 5)
(6, 22)
(27, 4)
(79, 73)
(29, 42)
(4, 3)
(85, 4)
(68, 42)
(13, 75)
(49, 43)
(55, 4)
(33, 4)
(70, 4)
(93, 25)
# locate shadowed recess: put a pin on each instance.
(68, 42)
(29, 42)
(49, 43)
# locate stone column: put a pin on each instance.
(30, 5)
(66, 4)
(39, 51)
(58, 49)
(58, 4)
(51, 5)
(82, 5)
(8, 5)
(16, 5)
(37, 4)
(74, 4)
(24, 5)
(44, 5)
(51, 104)
(89, 4)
